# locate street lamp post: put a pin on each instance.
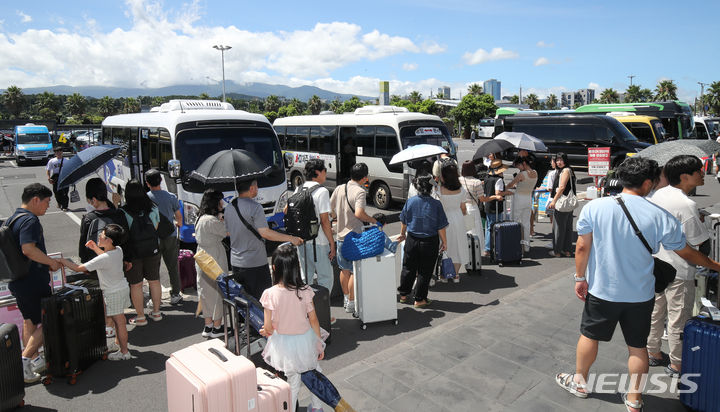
(222, 56)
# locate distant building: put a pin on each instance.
(577, 98)
(444, 92)
(492, 87)
(384, 98)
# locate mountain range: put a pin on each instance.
(232, 89)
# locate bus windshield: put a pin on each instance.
(431, 134)
(33, 138)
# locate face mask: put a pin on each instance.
(89, 207)
(486, 161)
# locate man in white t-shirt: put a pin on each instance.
(684, 173)
(53, 168)
(318, 252)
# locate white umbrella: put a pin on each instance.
(523, 141)
(418, 151)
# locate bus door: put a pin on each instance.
(149, 156)
(346, 152)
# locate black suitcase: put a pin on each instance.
(12, 384)
(74, 332)
(321, 300)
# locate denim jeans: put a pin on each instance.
(321, 265)
(491, 218)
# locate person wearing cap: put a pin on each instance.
(53, 168)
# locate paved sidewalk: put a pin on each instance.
(491, 359)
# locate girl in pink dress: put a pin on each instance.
(294, 341)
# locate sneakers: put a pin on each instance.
(206, 331)
(671, 372)
(350, 307)
(113, 347)
(218, 332)
(38, 364)
(176, 299)
(118, 356)
(29, 375)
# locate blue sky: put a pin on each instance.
(349, 46)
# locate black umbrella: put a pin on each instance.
(493, 146)
(229, 167)
(85, 163)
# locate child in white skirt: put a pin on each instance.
(294, 341)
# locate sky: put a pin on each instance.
(349, 46)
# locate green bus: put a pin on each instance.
(676, 116)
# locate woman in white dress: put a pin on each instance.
(452, 196)
(524, 184)
(475, 196)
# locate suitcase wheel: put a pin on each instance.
(104, 356)
(47, 380)
(395, 322)
(363, 326)
(72, 380)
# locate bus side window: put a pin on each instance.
(280, 130)
(700, 131)
(328, 135)
(302, 135)
(290, 139)
(365, 141)
(165, 149)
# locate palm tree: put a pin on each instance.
(666, 90)
(475, 89)
(13, 100)
(633, 94)
(336, 105)
(47, 105)
(712, 97)
(514, 99)
(131, 105)
(609, 96)
(551, 102)
(157, 101)
(76, 105)
(272, 103)
(106, 106)
(204, 96)
(415, 97)
(532, 101)
(315, 104)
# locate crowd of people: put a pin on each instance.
(124, 246)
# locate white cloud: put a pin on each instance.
(24, 18)
(482, 56)
(541, 61)
(409, 66)
(593, 85)
(543, 44)
(433, 48)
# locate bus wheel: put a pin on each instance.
(296, 180)
(381, 196)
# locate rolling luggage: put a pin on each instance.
(10, 313)
(376, 289)
(701, 357)
(12, 385)
(206, 377)
(273, 393)
(506, 241)
(73, 323)
(233, 309)
(475, 249)
(186, 269)
(321, 300)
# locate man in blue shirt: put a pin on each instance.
(169, 207)
(620, 285)
(30, 289)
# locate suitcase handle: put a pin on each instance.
(218, 354)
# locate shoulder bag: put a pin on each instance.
(569, 202)
(663, 271)
(250, 227)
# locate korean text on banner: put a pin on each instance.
(598, 161)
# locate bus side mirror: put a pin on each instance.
(289, 160)
(174, 168)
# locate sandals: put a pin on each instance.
(403, 299)
(156, 316)
(636, 406)
(663, 361)
(138, 321)
(422, 305)
(567, 382)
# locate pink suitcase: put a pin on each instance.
(206, 377)
(273, 393)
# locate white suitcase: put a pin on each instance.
(376, 289)
(475, 253)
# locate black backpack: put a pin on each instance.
(143, 238)
(492, 206)
(13, 264)
(301, 219)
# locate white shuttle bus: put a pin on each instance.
(370, 135)
(177, 137)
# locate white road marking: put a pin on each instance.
(74, 217)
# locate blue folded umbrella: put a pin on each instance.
(85, 163)
(321, 387)
(231, 289)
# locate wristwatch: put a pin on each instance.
(579, 279)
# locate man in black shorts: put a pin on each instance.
(30, 289)
(620, 285)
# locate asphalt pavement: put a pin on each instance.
(492, 341)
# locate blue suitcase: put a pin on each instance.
(701, 355)
(505, 240)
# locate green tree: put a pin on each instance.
(271, 116)
(288, 110)
(315, 104)
(272, 103)
(131, 105)
(76, 105)
(609, 96)
(471, 109)
(106, 106)
(532, 101)
(514, 99)
(552, 102)
(254, 106)
(204, 96)
(336, 105)
(351, 104)
(158, 101)
(47, 105)
(712, 98)
(415, 97)
(427, 106)
(475, 89)
(666, 90)
(13, 100)
(633, 94)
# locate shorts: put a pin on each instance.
(343, 263)
(148, 268)
(600, 317)
(116, 302)
(29, 304)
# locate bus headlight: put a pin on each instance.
(281, 202)
(190, 213)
